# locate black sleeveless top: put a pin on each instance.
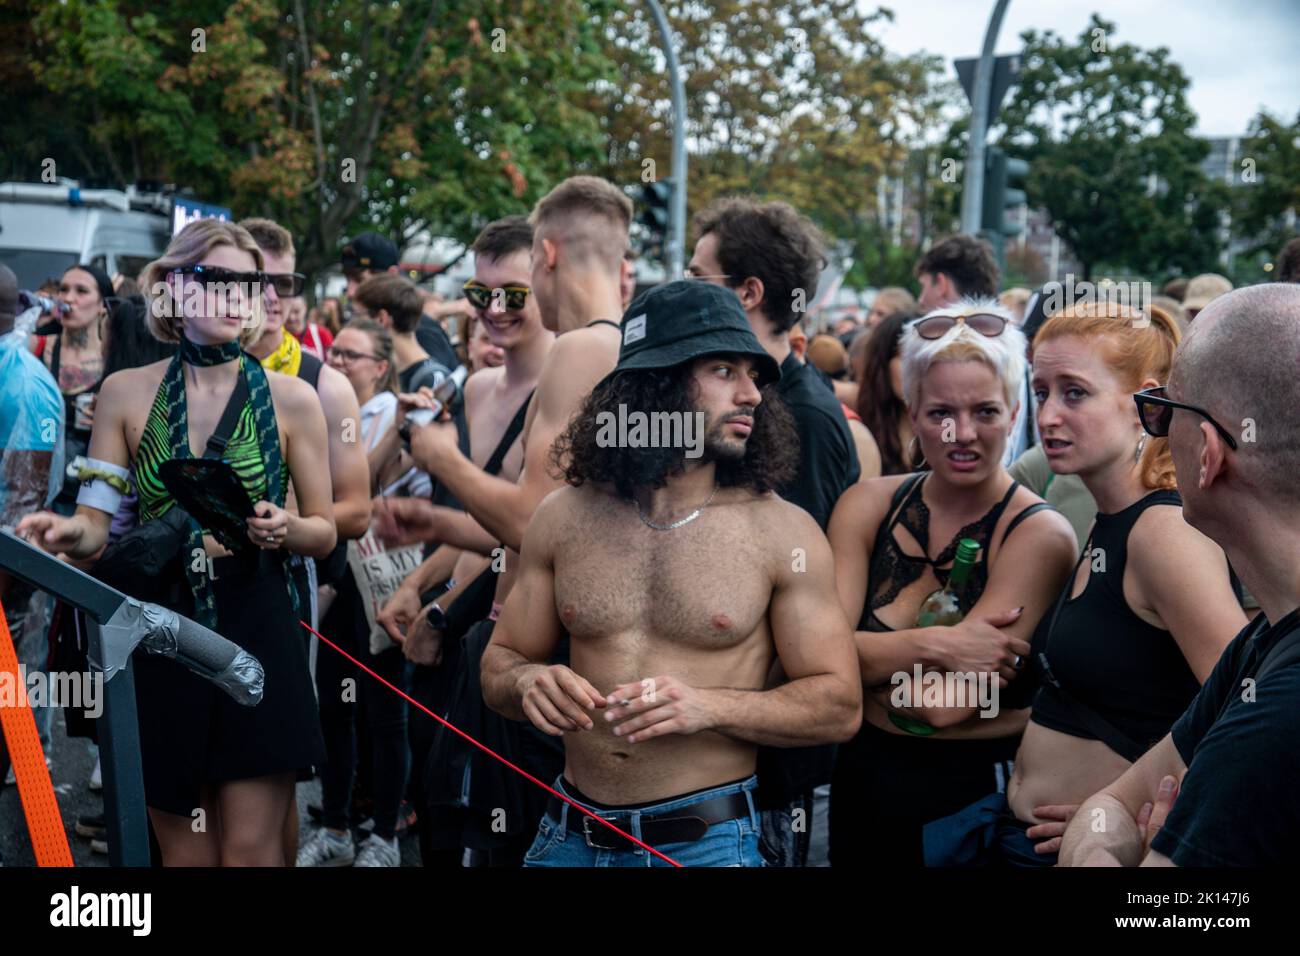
(1107, 658)
(892, 569)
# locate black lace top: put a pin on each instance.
(892, 569)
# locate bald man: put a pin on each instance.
(1199, 797)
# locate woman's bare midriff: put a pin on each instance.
(1053, 768)
(611, 770)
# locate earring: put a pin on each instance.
(912, 456)
(1141, 446)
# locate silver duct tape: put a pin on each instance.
(136, 623)
(243, 680)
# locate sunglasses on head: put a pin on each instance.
(936, 326)
(216, 274)
(480, 296)
(1156, 412)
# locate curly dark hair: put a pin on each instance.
(771, 452)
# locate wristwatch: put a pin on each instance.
(436, 618)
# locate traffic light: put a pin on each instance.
(656, 198)
(1004, 180)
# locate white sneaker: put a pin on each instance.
(323, 848)
(379, 852)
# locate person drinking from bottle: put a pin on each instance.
(929, 747)
(1150, 608)
(218, 775)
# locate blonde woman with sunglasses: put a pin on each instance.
(919, 757)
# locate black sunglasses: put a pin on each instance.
(287, 284)
(984, 323)
(215, 274)
(480, 296)
(1156, 412)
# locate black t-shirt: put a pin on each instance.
(434, 340)
(828, 459)
(1238, 805)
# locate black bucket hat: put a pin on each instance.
(684, 320)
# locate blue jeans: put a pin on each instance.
(729, 843)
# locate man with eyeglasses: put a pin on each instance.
(771, 258)
(368, 255)
(1219, 789)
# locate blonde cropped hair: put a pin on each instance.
(1004, 354)
(189, 246)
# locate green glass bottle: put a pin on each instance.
(943, 608)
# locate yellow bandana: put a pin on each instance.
(286, 358)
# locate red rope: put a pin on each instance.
(487, 750)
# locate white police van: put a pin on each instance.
(47, 227)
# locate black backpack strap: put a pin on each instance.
(512, 431)
(229, 418)
(309, 369)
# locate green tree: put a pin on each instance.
(328, 115)
(789, 99)
(1107, 129)
(1267, 196)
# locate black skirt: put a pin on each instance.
(192, 733)
(886, 787)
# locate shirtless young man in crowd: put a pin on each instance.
(675, 615)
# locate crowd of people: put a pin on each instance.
(953, 582)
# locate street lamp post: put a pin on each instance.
(972, 194)
(677, 209)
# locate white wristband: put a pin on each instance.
(98, 493)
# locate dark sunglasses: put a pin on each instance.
(287, 284)
(1156, 412)
(984, 323)
(480, 296)
(216, 274)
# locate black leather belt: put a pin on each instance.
(675, 826)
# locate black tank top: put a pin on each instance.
(1107, 658)
(892, 569)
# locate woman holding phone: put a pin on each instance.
(207, 758)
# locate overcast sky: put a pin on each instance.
(1241, 55)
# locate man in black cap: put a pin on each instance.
(681, 578)
(370, 254)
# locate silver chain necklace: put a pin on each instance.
(680, 521)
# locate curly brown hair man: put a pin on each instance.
(671, 570)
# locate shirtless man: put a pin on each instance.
(349, 473)
(672, 571)
(579, 234)
(493, 396)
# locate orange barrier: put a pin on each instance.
(40, 806)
